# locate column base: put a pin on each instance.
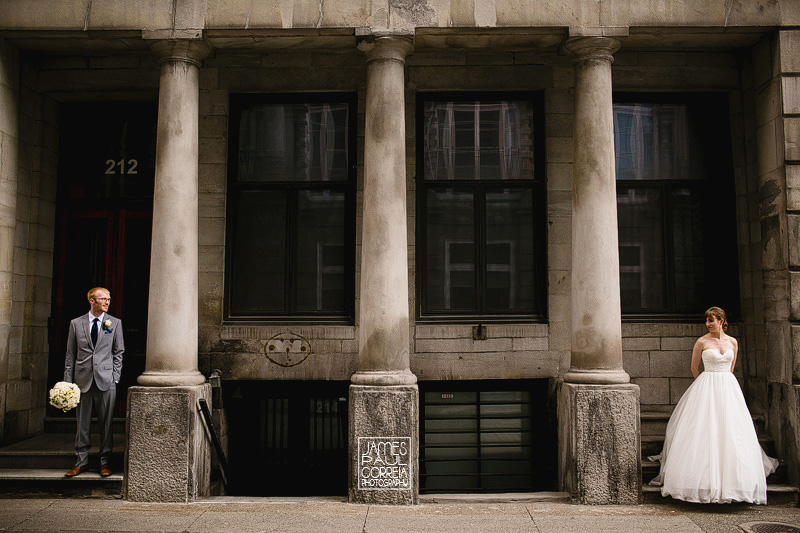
(599, 444)
(168, 457)
(597, 377)
(151, 378)
(383, 378)
(384, 444)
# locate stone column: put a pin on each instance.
(598, 409)
(165, 433)
(172, 311)
(384, 397)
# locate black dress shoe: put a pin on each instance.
(77, 470)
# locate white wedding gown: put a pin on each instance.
(711, 452)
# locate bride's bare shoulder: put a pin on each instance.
(701, 342)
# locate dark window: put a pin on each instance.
(481, 205)
(675, 205)
(292, 433)
(291, 219)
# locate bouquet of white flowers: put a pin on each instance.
(65, 396)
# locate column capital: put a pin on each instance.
(386, 47)
(189, 51)
(595, 47)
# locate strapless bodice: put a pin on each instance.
(713, 361)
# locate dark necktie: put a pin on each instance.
(94, 331)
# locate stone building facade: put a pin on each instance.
(627, 166)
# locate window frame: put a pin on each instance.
(719, 157)
(290, 314)
(478, 187)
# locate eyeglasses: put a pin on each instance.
(102, 299)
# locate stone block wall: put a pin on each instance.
(9, 142)
(790, 92)
(24, 370)
(239, 350)
(658, 357)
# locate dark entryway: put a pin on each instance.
(287, 438)
(487, 436)
(103, 225)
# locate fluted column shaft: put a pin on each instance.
(172, 313)
(383, 357)
(596, 313)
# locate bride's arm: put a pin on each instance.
(735, 352)
(697, 356)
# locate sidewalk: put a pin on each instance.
(318, 515)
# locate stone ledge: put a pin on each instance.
(522, 497)
(267, 331)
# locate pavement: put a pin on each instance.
(319, 515)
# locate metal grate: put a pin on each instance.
(287, 438)
(769, 527)
(483, 440)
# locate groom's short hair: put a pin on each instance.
(94, 290)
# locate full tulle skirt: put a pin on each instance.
(711, 452)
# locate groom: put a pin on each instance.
(94, 363)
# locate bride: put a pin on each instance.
(711, 452)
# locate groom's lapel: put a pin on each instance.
(86, 335)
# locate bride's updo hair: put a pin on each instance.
(719, 314)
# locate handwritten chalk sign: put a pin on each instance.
(384, 463)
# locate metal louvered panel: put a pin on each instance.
(492, 437)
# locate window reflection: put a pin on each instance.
(298, 142)
(478, 140)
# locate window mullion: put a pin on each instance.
(476, 120)
(421, 244)
(480, 247)
(290, 279)
(669, 249)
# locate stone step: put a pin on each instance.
(654, 422)
(652, 444)
(516, 497)
(68, 424)
(50, 482)
(777, 494)
(55, 451)
(650, 470)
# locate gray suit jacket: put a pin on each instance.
(86, 362)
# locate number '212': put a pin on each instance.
(118, 167)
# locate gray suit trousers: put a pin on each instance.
(103, 402)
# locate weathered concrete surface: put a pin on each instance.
(599, 443)
(395, 15)
(168, 457)
(384, 414)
